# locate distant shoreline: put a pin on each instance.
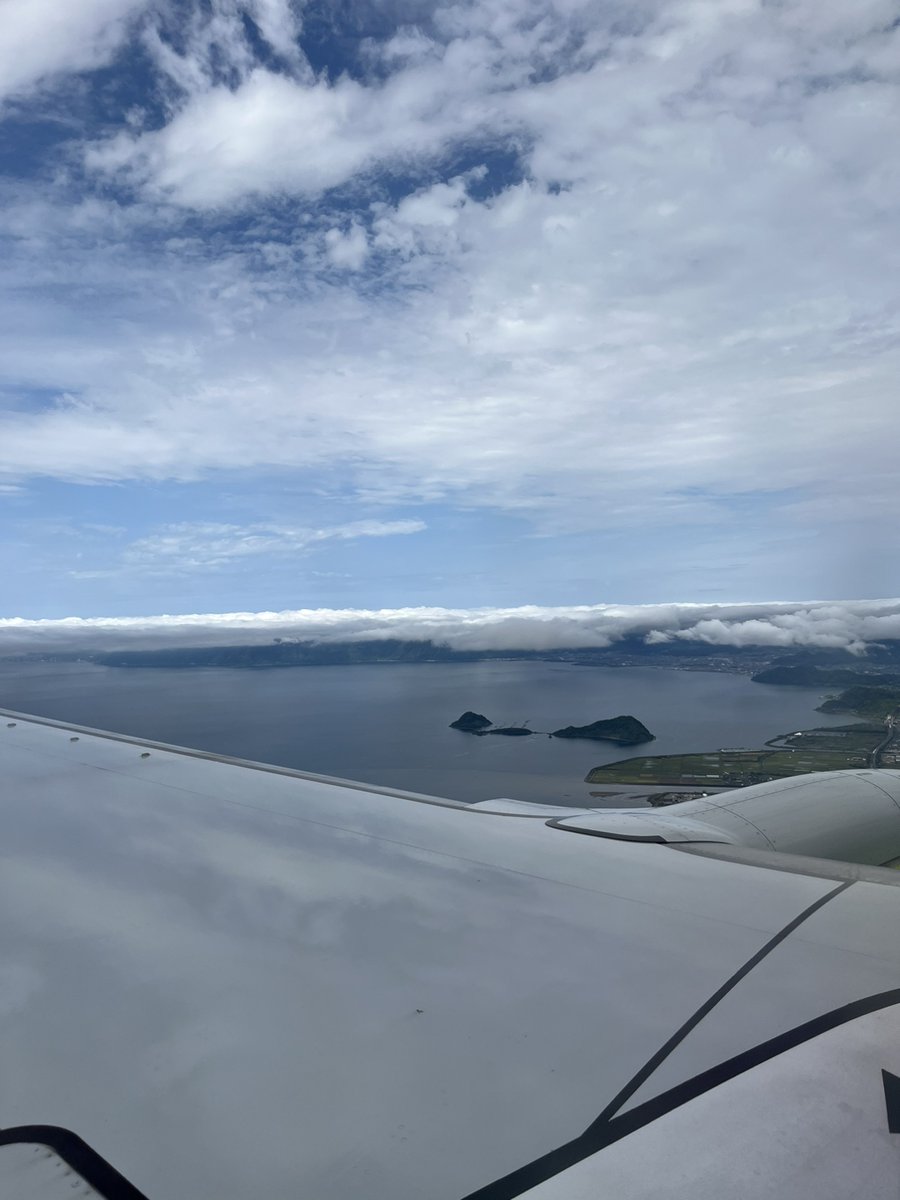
(629, 653)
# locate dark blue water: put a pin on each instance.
(389, 724)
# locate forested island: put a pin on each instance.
(623, 730)
(471, 722)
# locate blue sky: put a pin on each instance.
(395, 304)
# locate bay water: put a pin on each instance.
(389, 724)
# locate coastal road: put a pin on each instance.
(875, 756)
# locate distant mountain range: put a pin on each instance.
(807, 668)
(285, 653)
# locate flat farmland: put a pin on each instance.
(789, 754)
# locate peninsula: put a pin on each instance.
(876, 703)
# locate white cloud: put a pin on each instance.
(439, 205)
(213, 46)
(302, 133)
(280, 25)
(849, 625)
(44, 38)
(350, 249)
(275, 134)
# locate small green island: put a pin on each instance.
(623, 730)
(471, 722)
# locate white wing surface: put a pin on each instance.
(221, 980)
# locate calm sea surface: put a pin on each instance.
(389, 724)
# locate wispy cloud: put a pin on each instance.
(186, 547)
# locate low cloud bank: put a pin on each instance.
(849, 625)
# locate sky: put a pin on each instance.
(507, 305)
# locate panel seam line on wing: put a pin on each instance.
(592, 1141)
(608, 1128)
(706, 1008)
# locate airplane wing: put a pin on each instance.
(222, 980)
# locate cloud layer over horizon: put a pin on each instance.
(849, 625)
